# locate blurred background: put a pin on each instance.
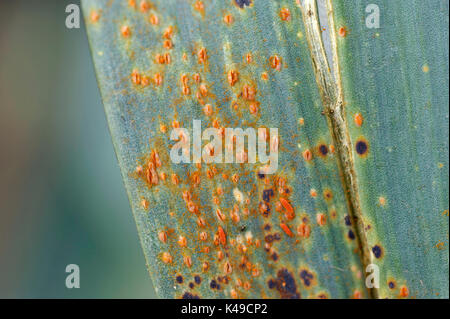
(62, 200)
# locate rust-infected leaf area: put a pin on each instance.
(396, 158)
(225, 230)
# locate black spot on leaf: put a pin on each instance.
(347, 220)
(242, 3)
(377, 251)
(307, 277)
(351, 234)
(361, 147)
(323, 149)
(274, 256)
(285, 284)
(188, 295)
(214, 285)
(267, 193)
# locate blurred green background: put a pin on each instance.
(62, 200)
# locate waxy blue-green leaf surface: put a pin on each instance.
(396, 78)
(162, 64)
(272, 264)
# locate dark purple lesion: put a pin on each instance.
(306, 277)
(377, 251)
(323, 149)
(351, 234)
(362, 147)
(267, 194)
(214, 285)
(274, 256)
(270, 238)
(264, 207)
(285, 285)
(188, 295)
(243, 3)
(347, 220)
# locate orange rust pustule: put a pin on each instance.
(167, 44)
(144, 204)
(356, 294)
(253, 108)
(248, 57)
(207, 109)
(200, 7)
(203, 89)
(154, 20)
(404, 291)
(332, 148)
(342, 32)
(160, 59)
(222, 236)
(162, 236)
(135, 77)
(275, 62)
(167, 258)
(233, 77)
(358, 119)
(321, 219)
(227, 268)
(125, 31)
(157, 79)
(307, 155)
(202, 56)
(95, 16)
(144, 6)
(290, 214)
(168, 32)
(187, 261)
(151, 175)
(285, 14)
(248, 92)
(228, 19)
(182, 241)
(304, 230)
(286, 229)
(145, 81)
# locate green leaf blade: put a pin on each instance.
(327, 263)
(396, 77)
